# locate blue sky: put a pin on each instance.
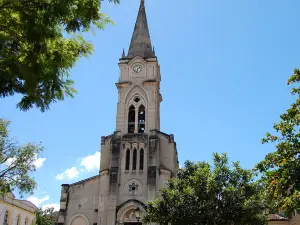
(224, 67)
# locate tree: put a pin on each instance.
(16, 162)
(201, 194)
(281, 168)
(46, 217)
(39, 43)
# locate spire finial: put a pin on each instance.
(123, 53)
(140, 42)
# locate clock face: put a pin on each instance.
(138, 68)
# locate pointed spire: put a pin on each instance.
(123, 53)
(140, 41)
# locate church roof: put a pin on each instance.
(140, 42)
(82, 181)
(276, 217)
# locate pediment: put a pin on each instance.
(137, 59)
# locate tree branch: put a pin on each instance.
(3, 172)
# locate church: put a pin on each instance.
(137, 159)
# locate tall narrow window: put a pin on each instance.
(142, 159)
(141, 119)
(131, 119)
(5, 220)
(18, 220)
(115, 157)
(127, 159)
(26, 221)
(134, 159)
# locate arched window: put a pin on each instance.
(26, 221)
(127, 159)
(141, 119)
(142, 159)
(134, 159)
(5, 220)
(131, 119)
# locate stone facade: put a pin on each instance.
(16, 212)
(137, 159)
(275, 219)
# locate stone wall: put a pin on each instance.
(80, 201)
(294, 221)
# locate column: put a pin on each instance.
(136, 128)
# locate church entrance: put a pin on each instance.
(129, 213)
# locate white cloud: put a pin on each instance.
(10, 161)
(47, 206)
(68, 174)
(38, 201)
(91, 162)
(38, 162)
(88, 163)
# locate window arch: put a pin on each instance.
(79, 219)
(26, 221)
(134, 159)
(127, 163)
(131, 119)
(5, 219)
(141, 119)
(142, 159)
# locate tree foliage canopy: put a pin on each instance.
(281, 169)
(46, 217)
(202, 194)
(16, 162)
(40, 42)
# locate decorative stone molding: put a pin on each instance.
(135, 138)
(134, 145)
(133, 187)
(81, 216)
(105, 138)
(104, 172)
(142, 145)
(127, 146)
(136, 91)
(138, 59)
(151, 83)
(136, 105)
(124, 211)
(65, 187)
(123, 84)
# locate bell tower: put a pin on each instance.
(138, 159)
(139, 83)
